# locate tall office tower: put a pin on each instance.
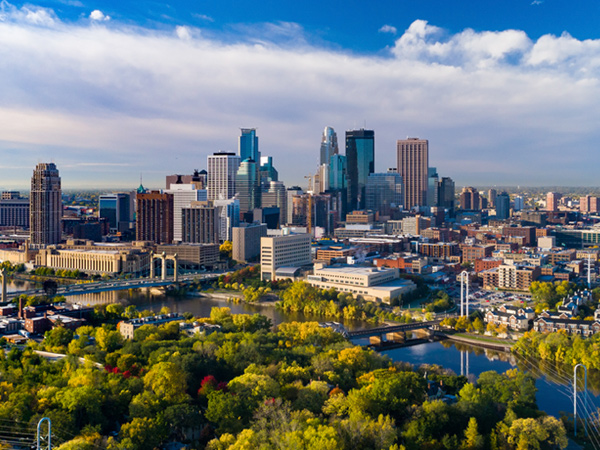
(291, 193)
(248, 145)
(413, 162)
(14, 210)
(247, 186)
(45, 206)
(492, 198)
(200, 223)
(446, 193)
(384, 192)
(552, 199)
(276, 196)
(432, 186)
(360, 157)
(329, 145)
(502, 206)
(519, 203)
(154, 217)
(324, 185)
(222, 170)
(229, 217)
(338, 172)
(116, 208)
(469, 199)
(183, 196)
(198, 178)
(268, 173)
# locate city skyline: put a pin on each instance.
(128, 95)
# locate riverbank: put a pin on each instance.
(481, 341)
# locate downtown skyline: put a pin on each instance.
(108, 99)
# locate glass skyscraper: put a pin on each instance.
(247, 185)
(384, 192)
(329, 145)
(248, 145)
(360, 156)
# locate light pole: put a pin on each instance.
(575, 395)
(41, 445)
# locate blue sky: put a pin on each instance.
(506, 91)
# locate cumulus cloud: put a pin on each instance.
(30, 14)
(99, 16)
(496, 106)
(388, 29)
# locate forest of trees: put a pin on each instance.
(249, 386)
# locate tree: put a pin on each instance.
(226, 249)
(108, 340)
(142, 434)
(473, 440)
(58, 338)
(167, 381)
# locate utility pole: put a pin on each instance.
(462, 300)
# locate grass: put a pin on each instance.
(485, 339)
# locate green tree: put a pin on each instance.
(473, 440)
(167, 381)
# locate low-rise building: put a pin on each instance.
(285, 250)
(127, 329)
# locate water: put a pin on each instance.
(554, 394)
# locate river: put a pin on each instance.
(554, 393)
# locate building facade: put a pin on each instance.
(286, 250)
(384, 192)
(222, 170)
(154, 217)
(247, 241)
(413, 164)
(200, 223)
(45, 206)
(360, 158)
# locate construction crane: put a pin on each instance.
(309, 214)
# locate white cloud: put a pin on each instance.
(388, 29)
(203, 17)
(99, 16)
(496, 106)
(30, 14)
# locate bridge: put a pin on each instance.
(392, 329)
(116, 285)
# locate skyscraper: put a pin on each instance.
(384, 192)
(432, 186)
(45, 206)
(329, 145)
(360, 157)
(492, 194)
(552, 199)
(446, 193)
(183, 196)
(116, 208)
(248, 145)
(469, 199)
(222, 170)
(413, 163)
(502, 206)
(247, 186)
(154, 217)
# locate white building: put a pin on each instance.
(285, 250)
(229, 217)
(183, 196)
(222, 170)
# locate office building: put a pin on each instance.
(268, 172)
(329, 145)
(116, 209)
(552, 199)
(492, 193)
(200, 223)
(446, 193)
(198, 178)
(248, 145)
(183, 196)
(14, 210)
(276, 196)
(246, 241)
(469, 199)
(154, 217)
(432, 186)
(222, 171)
(283, 251)
(589, 204)
(45, 206)
(291, 193)
(384, 192)
(503, 206)
(247, 186)
(413, 165)
(360, 159)
(519, 203)
(229, 217)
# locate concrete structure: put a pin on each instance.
(546, 242)
(469, 199)
(222, 169)
(371, 283)
(154, 217)
(552, 199)
(291, 192)
(193, 256)
(14, 210)
(229, 217)
(45, 206)
(247, 241)
(94, 261)
(413, 164)
(517, 277)
(183, 196)
(286, 250)
(200, 223)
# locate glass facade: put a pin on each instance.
(384, 192)
(360, 154)
(248, 145)
(248, 186)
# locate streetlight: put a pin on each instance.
(462, 274)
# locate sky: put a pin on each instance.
(506, 92)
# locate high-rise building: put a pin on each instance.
(287, 250)
(183, 196)
(384, 192)
(589, 204)
(338, 173)
(200, 223)
(432, 186)
(329, 145)
(552, 199)
(222, 171)
(291, 193)
(360, 157)
(45, 206)
(469, 199)
(229, 217)
(248, 145)
(198, 178)
(502, 206)
(14, 210)
(246, 241)
(276, 196)
(247, 186)
(519, 203)
(413, 165)
(154, 217)
(446, 193)
(268, 172)
(492, 197)
(116, 208)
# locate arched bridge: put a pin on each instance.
(392, 329)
